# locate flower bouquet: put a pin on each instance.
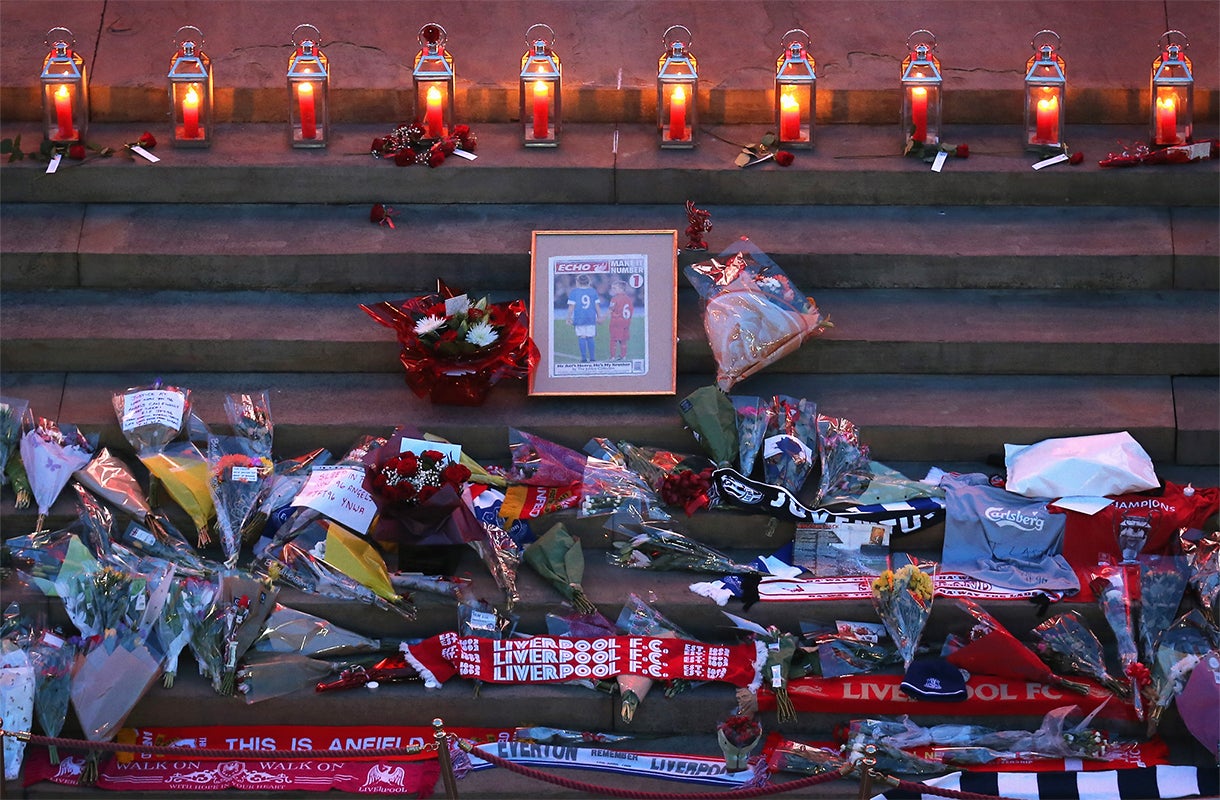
(1066, 644)
(302, 570)
(11, 413)
(184, 473)
(17, 698)
(753, 417)
(188, 604)
(781, 648)
(993, 650)
(235, 478)
(51, 453)
(1162, 584)
(539, 462)
(1110, 587)
(557, 556)
(1202, 551)
(659, 545)
(738, 736)
(52, 658)
(263, 676)
(638, 618)
(360, 561)
(291, 631)
(284, 483)
(903, 600)
(710, 417)
(1179, 648)
(454, 350)
(845, 464)
(250, 415)
(753, 314)
(791, 436)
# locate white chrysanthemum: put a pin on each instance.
(481, 334)
(428, 325)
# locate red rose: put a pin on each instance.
(436, 157)
(377, 213)
(448, 336)
(461, 131)
(474, 314)
(147, 141)
(432, 455)
(378, 145)
(426, 492)
(404, 157)
(469, 142)
(455, 474)
(447, 146)
(961, 151)
(1076, 158)
(76, 152)
(784, 158)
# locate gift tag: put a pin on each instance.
(153, 407)
(777, 675)
(939, 162)
(245, 474)
(482, 621)
(140, 151)
(1059, 159)
(54, 165)
(460, 153)
(143, 536)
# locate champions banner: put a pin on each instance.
(869, 695)
(906, 517)
(556, 659)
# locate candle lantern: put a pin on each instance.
(65, 92)
(1045, 83)
(434, 82)
(308, 90)
(795, 91)
(1173, 89)
(540, 89)
(190, 90)
(677, 90)
(921, 84)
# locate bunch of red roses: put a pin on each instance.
(410, 479)
(408, 145)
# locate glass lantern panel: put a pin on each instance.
(677, 114)
(191, 103)
(1044, 116)
(794, 113)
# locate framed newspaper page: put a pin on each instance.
(604, 312)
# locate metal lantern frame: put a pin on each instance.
(1045, 93)
(921, 90)
(65, 90)
(308, 90)
(677, 91)
(796, 84)
(1172, 92)
(190, 91)
(541, 88)
(434, 81)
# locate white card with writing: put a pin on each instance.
(337, 491)
(54, 163)
(153, 407)
(1046, 162)
(140, 151)
(939, 163)
(451, 451)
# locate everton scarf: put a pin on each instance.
(1144, 783)
(733, 488)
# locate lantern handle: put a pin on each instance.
(1167, 39)
(178, 39)
(433, 33)
(308, 26)
(540, 32)
(1043, 38)
(922, 40)
(793, 36)
(673, 35)
(51, 39)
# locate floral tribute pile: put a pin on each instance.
(407, 145)
(454, 350)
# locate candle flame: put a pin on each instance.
(789, 103)
(919, 91)
(434, 94)
(305, 88)
(1169, 103)
(192, 97)
(541, 89)
(679, 95)
(1048, 104)
(61, 92)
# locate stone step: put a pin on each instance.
(901, 417)
(609, 55)
(312, 247)
(878, 330)
(851, 165)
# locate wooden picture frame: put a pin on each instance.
(604, 312)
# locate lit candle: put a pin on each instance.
(1166, 120)
(309, 122)
(919, 113)
(63, 113)
(434, 116)
(1047, 131)
(190, 114)
(789, 118)
(542, 94)
(677, 114)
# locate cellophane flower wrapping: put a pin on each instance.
(12, 411)
(249, 413)
(557, 556)
(608, 486)
(264, 676)
(753, 416)
(1162, 584)
(152, 416)
(360, 561)
(52, 657)
(104, 598)
(864, 732)
(245, 602)
(95, 522)
(662, 545)
(183, 470)
(540, 462)
(288, 630)
(1113, 592)
(299, 568)
(51, 453)
(753, 314)
(109, 679)
(709, 416)
(1067, 644)
(903, 600)
(738, 735)
(845, 466)
(501, 555)
(235, 476)
(285, 482)
(638, 618)
(188, 605)
(993, 650)
(454, 350)
(1179, 648)
(17, 691)
(1202, 551)
(790, 447)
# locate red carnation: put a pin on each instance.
(404, 157)
(147, 141)
(961, 151)
(1076, 158)
(784, 158)
(448, 336)
(76, 152)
